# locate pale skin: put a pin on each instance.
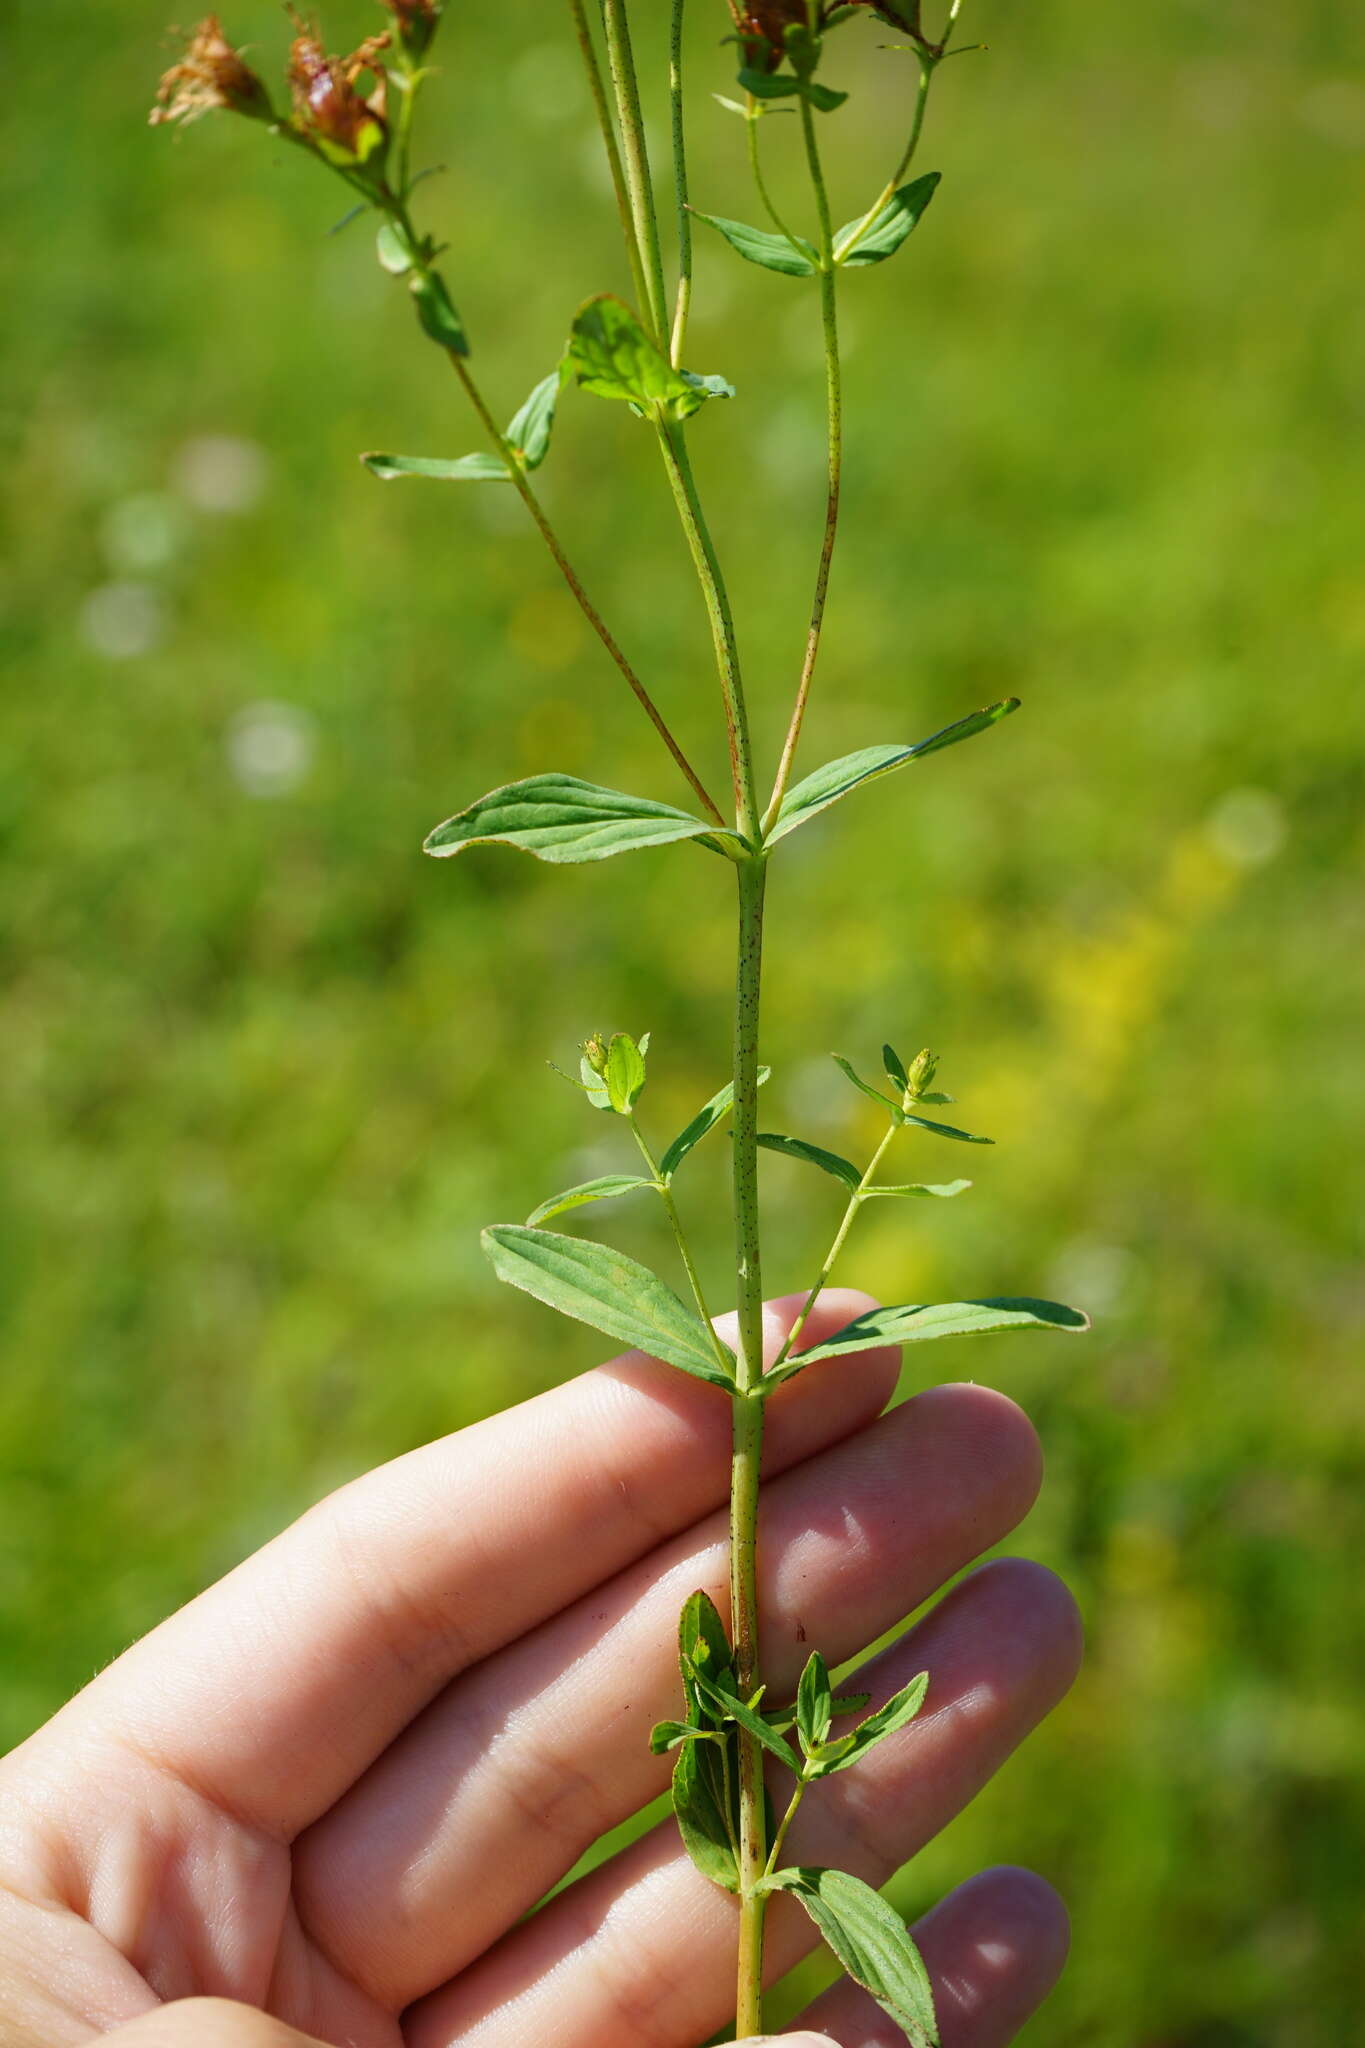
(316, 1805)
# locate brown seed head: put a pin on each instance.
(417, 20)
(328, 108)
(209, 77)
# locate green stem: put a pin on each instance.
(788, 1817)
(665, 1193)
(748, 1440)
(673, 447)
(641, 187)
(761, 184)
(855, 1203)
(604, 121)
(584, 602)
(683, 303)
(928, 64)
(834, 415)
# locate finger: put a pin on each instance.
(496, 1790)
(994, 1948)
(274, 1690)
(641, 1953)
(208, 2023)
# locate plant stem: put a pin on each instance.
(748, 1438)
(641, 187)
(685, 1250)
(682, 304)
(798, 1794)
(612, 147)
(855, 1203)
(584, 602)
(928, 64)
(761, 183)
(834, 412)
(679, 468)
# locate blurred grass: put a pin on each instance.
(265, 1071)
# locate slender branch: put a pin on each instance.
(570, 575)
(798, 1794)
(665, 1192)
(761, 184)
(640, 184)
(748, 1438)
(683, 303)
(608, 127)
(928, 64)
(679, 469)
(834, 415)
(855, 1203)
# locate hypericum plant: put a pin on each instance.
(354, 116)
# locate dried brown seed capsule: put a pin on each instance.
(328, 109)
(209, 78)
(417, 21)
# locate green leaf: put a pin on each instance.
(625, 1074)
(943, 1190)
(610, 1185)
(837, 778)
(943, 1130)
(558, 818)
(606, 1290)
(920, 1323)
(666, 1735)
(709, 1832)
(610, 354)
(706, 1119)
(891, 229)
(770, 252)
(437, 313)
(845, 1067)
(734, 1709)
(529, 429)
(709, 387)
(466, 469)
(814, 1155)
(814, 1703)
(898, 1712)
(394, 250)
(895, 1068)
(871, 1941)
(769, 85)
(702, 1642)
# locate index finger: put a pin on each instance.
(273, 1691)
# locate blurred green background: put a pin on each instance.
(265, 1070)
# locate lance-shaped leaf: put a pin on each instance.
(942, 1190)
(528, 436)
(610, 354)
(436, 311)
(608, 1291)
(558, 818)
(906, 1116)
(732, 1708)
(756, 245)
(666, 1735)
(769, 85)
(602, 1190)
(898, 1712)
(703, 1645)
(813, 1155)
(707, 1820)
(845, 1067)
(837, 778)
(920, 1323)
(706, 1119)
(814, 1703)
(891, 228)
(871, 1941)
(625, 1072)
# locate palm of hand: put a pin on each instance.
(333, 1786)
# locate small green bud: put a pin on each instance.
(921, 1075)
(595, 1052)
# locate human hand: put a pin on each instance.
(324, 1796)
